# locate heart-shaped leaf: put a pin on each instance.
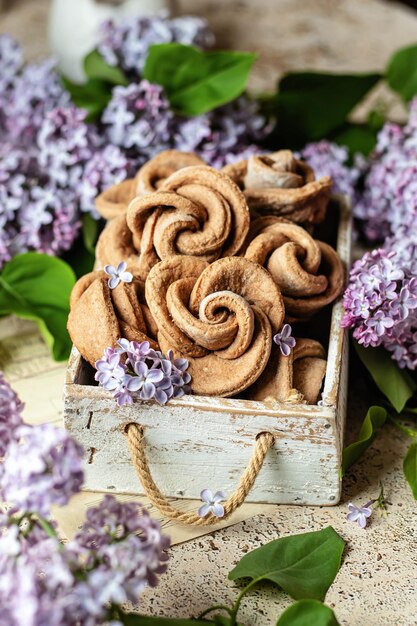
(196, 81)
(308, 613)
(311, 105)
(37, 287)
(401, 72)
(410, 468)
(374, 420)
(396, 384)
(303, 565)
(96, 68)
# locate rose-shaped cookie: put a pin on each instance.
(295, 378)
(309, 273)
(279, 184)
(221, 317)
(115, 200)
(99, 316)
(197, 211)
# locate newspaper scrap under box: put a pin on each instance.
(197, 442)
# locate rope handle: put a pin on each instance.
(136, 441)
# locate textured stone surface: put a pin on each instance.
(376, 585)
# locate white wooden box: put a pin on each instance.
(198, 442)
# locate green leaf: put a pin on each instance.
(410, 468)
(37, 287)
(311, 105)
(96, 68)
(92, 96)
(303, 565)
(401, 73)
(374, 420)
(308, 613)
(396, 384)
(90, 232)
(357, 137)
(132, 619)
(79, 258)
(196, 81)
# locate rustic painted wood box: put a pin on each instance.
(197, 442)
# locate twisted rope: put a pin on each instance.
(135, 437)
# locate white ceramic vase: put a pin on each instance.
(74, 27)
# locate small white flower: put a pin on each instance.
(118, 274)
(359, 514)
(211, 503)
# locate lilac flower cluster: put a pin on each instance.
(139, 119)
(118, 551)
(40, 465)
(381, 299)
(10, 414)
(126, 44)
(329, 159)
(52, 164)
(136, 370)
(389, 195)
(42, 468)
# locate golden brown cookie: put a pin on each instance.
(297, 377)
(309, 273)
(221, 317)
(99, 316)
(279, 184)
(113, 202)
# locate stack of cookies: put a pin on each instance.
(221, 260)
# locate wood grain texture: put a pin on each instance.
(195, 441)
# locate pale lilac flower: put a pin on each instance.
(124, 388)
(284, 340)
(211, 503)
(381, 299)
(359, 514)
(126, 43)
(329, 159)
(146, 374)
(147, 379)
(42, 467)
(118, 274)
(388, 199)
(108, 368)
(10, 414)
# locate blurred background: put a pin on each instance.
(315, 34)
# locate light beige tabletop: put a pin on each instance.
(377, 583)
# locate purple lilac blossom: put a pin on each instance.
(136, 370)
(10, 415)
(329, 159)
(126, 43)
(118, 552)
(52, 164)
(360, 514)
(211, 503)
(381, 299)
(118, 274)
(389, 195)
(284, 340)
(138, 119)
(42, 467)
